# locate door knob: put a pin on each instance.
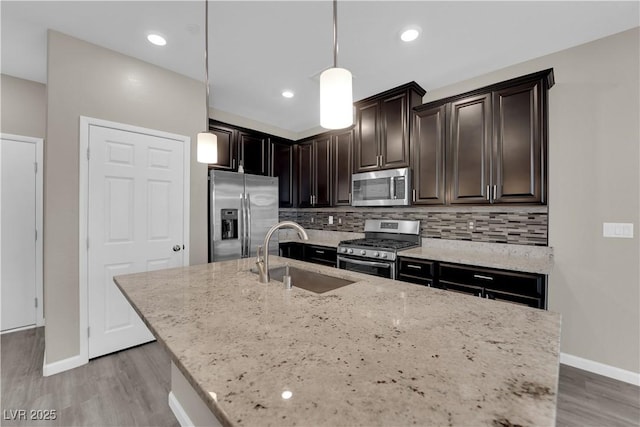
(176, 248)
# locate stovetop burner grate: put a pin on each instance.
(379, 243)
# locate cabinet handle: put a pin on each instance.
(480, 276)
(319, 251)
(414, 266)
(488, 193)
(233, 163)
(480, 294)
(349, 198)
(414, 194)
(495, 191)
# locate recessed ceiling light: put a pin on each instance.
(157, 39)
(410, 34)
(287, 94)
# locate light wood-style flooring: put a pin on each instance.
(130, 388)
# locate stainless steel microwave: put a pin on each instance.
(390, 187)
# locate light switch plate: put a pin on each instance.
(330, 219)
(617, 229)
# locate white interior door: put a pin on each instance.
(18, 288)
(135, 224)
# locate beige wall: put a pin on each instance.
(24, 107)
(594, 158)
(84, 79)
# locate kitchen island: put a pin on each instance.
(375, 352)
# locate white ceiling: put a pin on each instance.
(258, 49)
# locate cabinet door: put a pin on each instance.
(282, 167)
(367, 143)
(394, 132)
(253, 149)
(226, 147)
(517, 144)
(322, 171)
(343, 168)
(428, 136)
(305, 174)
(470, 150)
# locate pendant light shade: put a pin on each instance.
(336, 99)
(207, 142)
(207, 148)
(336, 96)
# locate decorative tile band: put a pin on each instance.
(520, 227)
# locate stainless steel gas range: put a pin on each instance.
(376, 254)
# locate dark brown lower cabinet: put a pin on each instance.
(310, 253)
(516, 287)
(417, 271)
(521, 288)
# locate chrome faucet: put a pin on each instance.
(263, 262)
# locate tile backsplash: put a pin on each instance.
(520, 225)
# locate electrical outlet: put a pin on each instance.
(339, 220)
(313, 220)
(330, 219)
(471, 225)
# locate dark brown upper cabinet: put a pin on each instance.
(238, 146)
(282, 153)
(253, 152)
(383, 128)
(428, 157)
(495, 141)
(314, 172)
(342, 148)
(518, 144)
(469, 141)
(226, 146)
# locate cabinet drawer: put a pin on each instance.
(462, 288)
(514, 298)
(526, 284)
(320, 255)
(420, 270)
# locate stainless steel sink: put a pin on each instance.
(309, 280)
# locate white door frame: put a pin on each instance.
(39, 227)
(85, 123)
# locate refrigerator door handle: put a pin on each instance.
(243, 227)
(248, 207)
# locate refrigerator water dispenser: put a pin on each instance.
(229, 223)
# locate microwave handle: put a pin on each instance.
(392, 187)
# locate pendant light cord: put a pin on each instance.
(206, 59)
(335, 33)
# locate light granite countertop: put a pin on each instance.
(528, 259)
(376, 352)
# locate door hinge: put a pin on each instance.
(36, 302)
(36, 234)
(88, 332)
(35, 167)
(87, 243)
(87, 154)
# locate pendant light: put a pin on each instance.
(207, 151)
(336, 98)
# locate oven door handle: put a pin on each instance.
(367, 263)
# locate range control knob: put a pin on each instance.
(343, 250)
(350, 251)
(363, 252)
(376, 254)
(384, 254)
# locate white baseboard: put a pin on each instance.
(61, 365)
(179, 412)
(600, 369)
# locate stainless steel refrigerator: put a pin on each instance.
(242, 208)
